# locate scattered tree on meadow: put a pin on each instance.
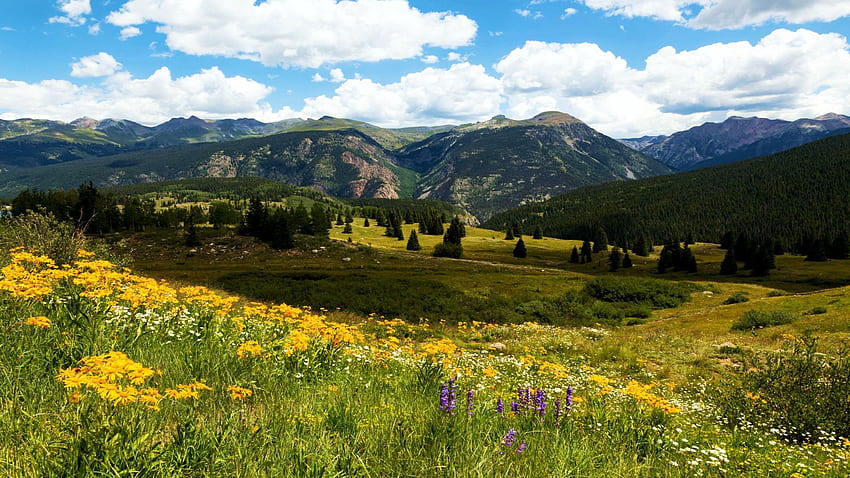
(615, 259)
(840, 247)
(191, 238)
(729, 266)
(586, 252)
(413, 242)
(509, 235)
(347, 229)
(366, 222)
(574, 257)
(641, 247)
(538, 233)
(600, 240)
(817, 251)
(520, 250)
(627, 261)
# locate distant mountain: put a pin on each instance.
(498, 164)
(792, 197)
(343, 163)
(736, 139)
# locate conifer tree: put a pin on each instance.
(840, 247)
(281, 234)
(728, 240)
(729, 266)
(191, 239)
(689, 239)
(574, 259)
(614, 259)
(627, 261)
(538, 233)
(366, 222)
(509, 235)
(413, 242)
(255, 218)
(586, 251)
(319, 220)
(347, 229)
(517, 229)
(760, 262)
(519, 249)
(422, 228)
(692, 264)
(456, 232)
(339, 220)
(641, 248)
(451, 245)
(817, 251)
(684, 259)
(600, 240)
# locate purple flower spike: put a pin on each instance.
(469, 404)
(515, 407)
(569, 400)
(500, 406)
(540, 402)
(521, 447)
(509, 438)
(558, 412)
(447, 397)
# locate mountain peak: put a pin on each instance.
(554, 118)
(831, 116)
(85, 122)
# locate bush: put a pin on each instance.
(44, 233)
(817, 311)
(658, 294)
(801, 393)
(776, 293)
(759, 319)
(736, 298)
(447, 249)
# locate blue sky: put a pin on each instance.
(626, 67)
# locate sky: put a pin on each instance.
(628, 68)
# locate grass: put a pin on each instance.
(324, 403)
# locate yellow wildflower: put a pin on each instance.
(249, 349)
(40, 321)
(239, 393)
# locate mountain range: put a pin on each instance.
(736, 139)
(484, 168)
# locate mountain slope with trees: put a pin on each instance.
(795, 198)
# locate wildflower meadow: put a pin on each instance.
(108, 373)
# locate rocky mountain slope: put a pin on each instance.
(736, 139)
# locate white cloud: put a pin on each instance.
(454, 56)
(94, 29)
(102, 64)
(129, 32)
(337, 76)
(74, 10)
(318, 78)
(722, 14)
(430, 59)
(528, 13)
(299, 33)
(461, 93)
(788, 74)
(726, 14)
(568, 12)
(208, 94)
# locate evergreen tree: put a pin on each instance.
(256, 218)
(586, 251)
(319, 219)
(366, 222)
(689, 239)
(692, 264)
(517, 229)
(627, 261)
(451, 245)
(729, 266)
(281, 234)
(668, 257)
(600, 240)
(519, 249)
(817, 251)
(641, 247)
(760, 262)
(509, 236)
(339, 220)
(840, 247)
(574, 258)
(413, 242)
(300, 220)
(727, 241)
(348, 218)
(455, 232)
(347, 229)
(191, 239)
(615, 259)
(686, 257)
(742, 248)
(538, 233)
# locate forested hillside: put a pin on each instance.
(793, 197)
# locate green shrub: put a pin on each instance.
(776, 293)
(736, 298)
(658, 294)
(801, 394)
(759, 319)
(817, 311)
(43, 233)
(446, 249)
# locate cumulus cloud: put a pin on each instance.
(102, 64)
(207, 94)
(462, 93)
(129, 32)
(74, 10)
(726, 14)
(787, 74)
(298, 33)
(568, 12)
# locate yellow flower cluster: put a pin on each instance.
(249, 349)
(433, 348)
(120, 380)
(239, 393)
(641, 393)
(203, 297)
(29, 276)
(40, 321)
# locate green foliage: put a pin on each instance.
(655, 293)
(801, 393)
(38, 232)
(520, 250)
(817, 311)
(615, 259)
(736, 298)
(446, 249)
(413, 242)
(759, 319)
(807, 184)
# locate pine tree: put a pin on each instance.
(281, 234)
(586, 251)
(517, 229)
(455, 232)
(519, 249)
(366, 222)
(689, 239)
(729, 266)
(692, 264)
(614, 259)
(509, 236)
(256, 218)
(761, 262)
(600, 240)
(191, 239)
(574, 259)
(641, 248)
(422, 228)
(817, 251)
(413, 242)
(727, 241)
(319, 220)
(339, 220)
(451, 245)
(840, 247)
(627, 261)
(683, 262)
(538, 233)
(347, 229)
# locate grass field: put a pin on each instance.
(238, 388)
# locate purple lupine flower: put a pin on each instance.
(500, 406)
(447, 396)
(521, 447)
(469, 404)
(515, 407)
(540, 402)
(524, 397)
(509, 438)
(569, 406)
(452, 396)
(558, 412)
